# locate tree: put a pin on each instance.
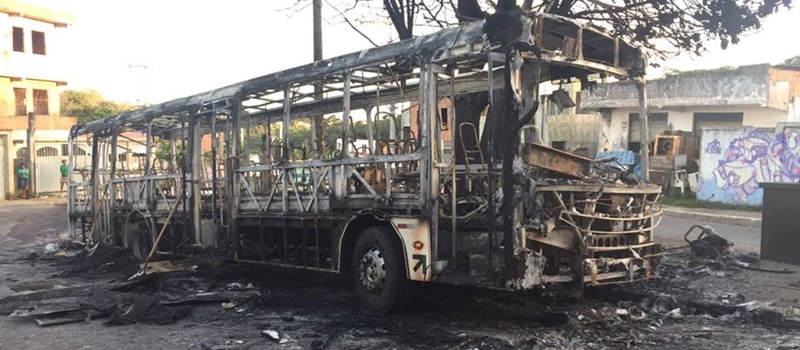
(792, 62)
(90, 105)
(663, 27)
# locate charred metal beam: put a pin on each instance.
(555, 160)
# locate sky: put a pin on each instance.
(190, 47)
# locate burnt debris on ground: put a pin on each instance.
(265, 307)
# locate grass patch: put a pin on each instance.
(689, 200)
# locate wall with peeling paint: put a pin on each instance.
(756, 85)
(733, 161)
(577, 131)
(614, 133)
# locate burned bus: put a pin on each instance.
(459, 191)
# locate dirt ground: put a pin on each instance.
(691, 307)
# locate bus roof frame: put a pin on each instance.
(450, 45)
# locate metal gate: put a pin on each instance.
(3, 165)
(48, 161)
(21, 157)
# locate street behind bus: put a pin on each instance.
(690, 307)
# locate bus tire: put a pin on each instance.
(378, 271)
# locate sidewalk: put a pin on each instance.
(50, 200)
(730, 217)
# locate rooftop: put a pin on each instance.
(746, 85)
(18, 9)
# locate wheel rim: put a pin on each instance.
(372, 270)
(142, 241)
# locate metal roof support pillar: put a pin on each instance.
(148, 169)
(233, 176)
(286, 157)
(429, 146)
(95, 188)
(112, 175)
(194, 165)
(645, 130)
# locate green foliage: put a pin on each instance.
(792, 62)
(661, 27)
(90, 105)
(164, 156)
(300, 136)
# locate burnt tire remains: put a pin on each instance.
(378, 274)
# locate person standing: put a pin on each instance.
(64, 174)
(24, 177)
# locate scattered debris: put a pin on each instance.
(166, 266)
(674, 314)
(230, 344)
(67, 291)
(708, 244)
(73, 317)
(61, 249)
(274, 335)
(212, 297)
(146, 310)
(787, 317)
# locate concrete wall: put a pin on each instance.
(794, 111)
(614, 132)
(784, 86)
(8, 100)
(756, 85)
(735, 160)
(747, 85)
(577, 131)
(26, 64)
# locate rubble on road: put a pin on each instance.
(143, 300)
(670, 312)
(147, 310)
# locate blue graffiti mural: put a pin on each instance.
(714, 147)
(752, 156)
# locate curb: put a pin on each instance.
(34, 201)
(716, 218)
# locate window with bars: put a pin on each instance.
(40, 102)
(19, 102)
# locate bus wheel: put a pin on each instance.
(138, 233)
(378, 272)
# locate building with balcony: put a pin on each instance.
(31, 76)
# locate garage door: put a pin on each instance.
(716, 120)
(657, 122)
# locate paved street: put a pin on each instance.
(671, 230)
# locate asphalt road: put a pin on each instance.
(671, 230)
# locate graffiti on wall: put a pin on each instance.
(735, 161)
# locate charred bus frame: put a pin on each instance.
(493, 212)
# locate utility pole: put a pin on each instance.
(317, 121)
(31, 154)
